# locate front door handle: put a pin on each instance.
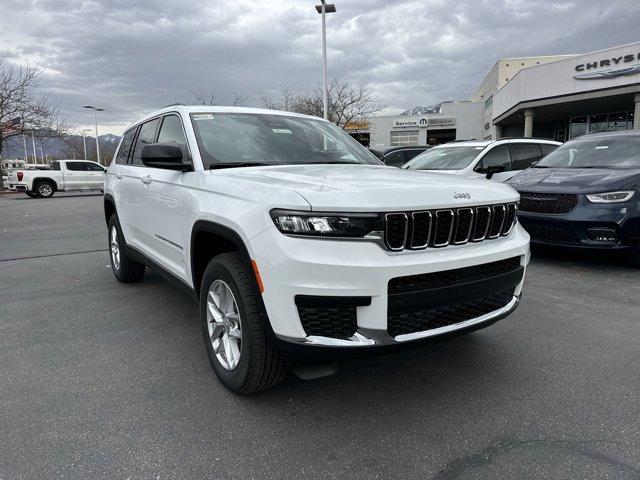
(146, 180)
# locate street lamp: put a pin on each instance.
(84, 141)
(41, 155)
(323, 9)
(95, 116)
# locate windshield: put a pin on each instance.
(444, 158)
(244, 139)
(602, 152)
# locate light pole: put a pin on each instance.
(95, 116)
(41, 155)
(24, 144)
(323, 9)
(33, 144)
(84, 141)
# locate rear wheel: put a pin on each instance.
(45, 189)
(124, 268)
(235, 337)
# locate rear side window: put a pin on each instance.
(147, 135)
(394, 159)
(547, 148)
(410, 154)
(77, 166)
(123, 152)
(496, 156)
(55, 166)
(524, 154)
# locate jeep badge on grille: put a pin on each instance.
(462, 195)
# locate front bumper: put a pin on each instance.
(293, 267)
(588, 226)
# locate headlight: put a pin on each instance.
(610, 197)
(351, 225)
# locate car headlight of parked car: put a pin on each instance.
(349, 225)
(611, 197)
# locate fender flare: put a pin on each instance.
(36, 180)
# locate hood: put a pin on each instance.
(574, 180)
(372, 188)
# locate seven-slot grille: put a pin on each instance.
(439, 228)
(553, 203)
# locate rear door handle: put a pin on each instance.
(146, 180)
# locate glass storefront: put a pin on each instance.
(604, 122)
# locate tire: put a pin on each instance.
(260, 365)
(45, 189)
(124, 268)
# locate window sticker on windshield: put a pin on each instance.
(602, 147)
(203, 116)
(479, 148)
(284, 131)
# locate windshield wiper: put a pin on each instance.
(334, 162)
(216, 166)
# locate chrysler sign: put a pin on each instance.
(607, 67)
(424, 122)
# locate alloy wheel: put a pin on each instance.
(224, 325)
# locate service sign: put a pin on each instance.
(423, 122)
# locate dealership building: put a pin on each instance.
(557, 97)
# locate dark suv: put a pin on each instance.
(398, 156)
(585, 194)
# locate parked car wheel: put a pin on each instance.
(235, 337)
(124, 268)
(45, 189)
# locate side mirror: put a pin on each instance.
(164, 155)
(493, 169)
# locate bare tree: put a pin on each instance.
(22, 112)
(346, 103)
(209, 99)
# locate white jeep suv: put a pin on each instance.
(299, 243)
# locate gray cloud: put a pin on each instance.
(135, 55)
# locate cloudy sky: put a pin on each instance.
(131, 56)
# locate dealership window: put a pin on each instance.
(605, 122)
(403, 138)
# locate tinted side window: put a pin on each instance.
(547, 148)
(77, 166)
(55, 166)
(524, 154)
(171, 132)
(123, 152)
(394, 159)
(147, 135)
(409, 154)
(92, 167)
(496, 156)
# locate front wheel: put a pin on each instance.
(235, 337)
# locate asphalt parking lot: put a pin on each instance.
(104, 380)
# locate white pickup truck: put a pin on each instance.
(64, 176)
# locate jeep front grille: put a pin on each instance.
(439, 228)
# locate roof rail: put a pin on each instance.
(526, 138)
